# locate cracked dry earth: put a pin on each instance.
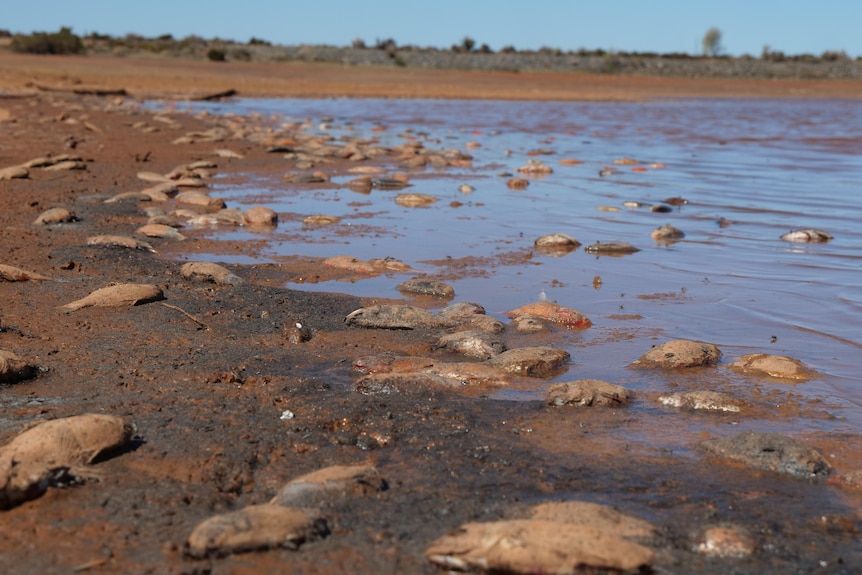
(227, 408)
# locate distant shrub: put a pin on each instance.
(359, 44)
(5, 34)
(834, 56)
(258, 42)
(485, 49)
(508, 50)
(240, 54)
(216, 55)
(62, 42)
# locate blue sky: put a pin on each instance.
(790, 26)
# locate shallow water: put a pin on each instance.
(766, 167)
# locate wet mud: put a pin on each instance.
(228, 406)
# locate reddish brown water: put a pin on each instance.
(749, 170)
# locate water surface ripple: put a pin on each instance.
(763, 167)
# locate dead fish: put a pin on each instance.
(329, 484)
(702, 400)
(350, 263)
(556, 240)
(414, 200)
(553, 312)
(153, 177)
(809, 235)
(536, 546)
(129, 197)
(195, 198)
(13, 274)
(209, 272)
(517, 183)
(389, 184)
(66, 165)
(395, 317)
(160, 231)
(118, 295)
(56, 452)
(119, 242)
(14, 173)
(475, 343)
(225, 153)
(255, 527)
(588, 393)
(55, 216)
(530, 361)
(536, 169)
(425, 286)
(320, 220)
(666, 233)
(528, 324)
(14, 369)
(389, 264)
(611, 248)
(676, 201)
(778, 366)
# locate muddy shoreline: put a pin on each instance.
(207, 379)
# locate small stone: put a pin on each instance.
(771, 451)
(679, 353)
(588, 393)
(466, 189)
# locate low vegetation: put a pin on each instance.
(467, 54)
